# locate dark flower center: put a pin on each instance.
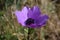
(29, 21)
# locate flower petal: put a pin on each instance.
(32, 26)
(22, 15)
(42, 20)
(34, 12)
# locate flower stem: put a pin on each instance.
(28, 34)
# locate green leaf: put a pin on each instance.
(1, 13)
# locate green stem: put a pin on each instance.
(28, 33)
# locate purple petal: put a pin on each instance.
(32, 26)
(34, 12)
(22, 15)
(42, 20)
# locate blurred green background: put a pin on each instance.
(11, 30)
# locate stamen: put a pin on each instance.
(29, 21)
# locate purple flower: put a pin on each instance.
(31, 17)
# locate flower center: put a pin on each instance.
(29, 21)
